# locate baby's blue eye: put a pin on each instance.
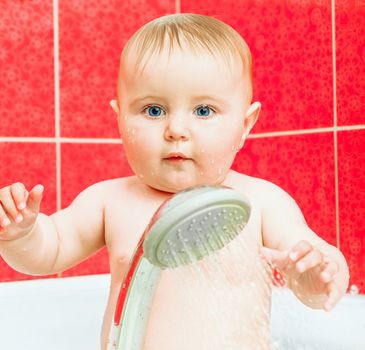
(203, 111)
(154, 111)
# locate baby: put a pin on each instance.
(184, 110)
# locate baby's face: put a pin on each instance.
(182, 119)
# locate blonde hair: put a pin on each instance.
(198, 31)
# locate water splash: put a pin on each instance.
(223, 299)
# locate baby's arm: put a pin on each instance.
(41, 244)
(316, 271)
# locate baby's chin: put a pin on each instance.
(177, 186)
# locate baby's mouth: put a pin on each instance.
(176, 158)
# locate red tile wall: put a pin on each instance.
(309, 74)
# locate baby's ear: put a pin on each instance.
(251, 116)
(114, 105)
(249, 120)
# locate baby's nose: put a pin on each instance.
(177, 129)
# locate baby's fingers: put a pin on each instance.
(4, 220)
(333, 296)
(19, 194)
(10, 211)
(309, 261)
(35, 198)
(329, 272)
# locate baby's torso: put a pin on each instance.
(221, 303)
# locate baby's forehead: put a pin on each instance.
(135, 64)
(183, 76)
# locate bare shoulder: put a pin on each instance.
(283, 222)
(111, 184)
(258, 190)
(103, 189)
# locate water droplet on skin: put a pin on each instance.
(203, 150)
(212, 161)
(354, 289)
(220, 171)
(201, 173)
(141, 176)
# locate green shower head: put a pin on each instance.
(194, 223)
(187, 227)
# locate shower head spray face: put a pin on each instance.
(193, 224)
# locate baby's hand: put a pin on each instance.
(309, 273)
(18, 210)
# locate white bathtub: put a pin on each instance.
(66, 314)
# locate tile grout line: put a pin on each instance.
(57, 102)
(57, 106)
(177, 6)
(95, 140)
(335, 129)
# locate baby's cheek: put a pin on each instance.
(214, 166)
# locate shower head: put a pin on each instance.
(194, 223)
(187, 227)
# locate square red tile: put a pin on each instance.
(292, 57)
(85, 164)
(303, 166)
(96, 264)
(30, 163)
(350, 58)
(26, 68)
(351, 177)
(92, 35)
(82, 166)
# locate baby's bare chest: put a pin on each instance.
(126, 221)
